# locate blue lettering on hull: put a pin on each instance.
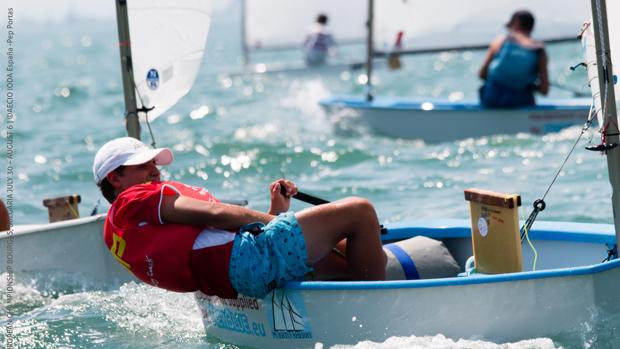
(235, 321)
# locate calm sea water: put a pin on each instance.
(233, 135)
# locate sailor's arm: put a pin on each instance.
(281, 192)
(543, 75)
(186, 210)
(491, 52)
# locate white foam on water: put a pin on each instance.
(441, 342)
(135, 313)
(147, 311)
(304, 96)
(256, 132)
(15, 292)
(571, 134)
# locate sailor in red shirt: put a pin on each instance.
(181, 238)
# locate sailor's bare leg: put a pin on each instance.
(334, 266)
(353, 219)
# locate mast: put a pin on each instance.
(369, 49)
(244, 46)
(608, 103)
(132, 122)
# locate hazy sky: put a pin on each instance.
(58, 9)
(54, 10)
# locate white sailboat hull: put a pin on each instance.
(560, 301)
(63, 254)
(571, 292)
(430, 120)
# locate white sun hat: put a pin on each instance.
(126, 151)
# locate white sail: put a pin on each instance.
(168, 39)
(272, 24)
(589, 48)
(458, 23)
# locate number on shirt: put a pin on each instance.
(118, 248)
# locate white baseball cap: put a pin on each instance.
(126, 151)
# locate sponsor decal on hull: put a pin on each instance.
(288, 315)
(281, 315)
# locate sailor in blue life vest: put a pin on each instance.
(318, 42)
(515, 66)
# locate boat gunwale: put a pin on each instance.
(596, 233)
(453, 281)
(442, 105)
(592, 233)
(36, 228)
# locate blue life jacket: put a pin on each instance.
(512, 76)
(515, 67)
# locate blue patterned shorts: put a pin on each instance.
(260, 263)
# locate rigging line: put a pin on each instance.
(73, 211)
(585, 127)
(539, 204)
(96, 208)
(527, 236)
(584, 27)
(612, 253)
(146, 113)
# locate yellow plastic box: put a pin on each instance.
(495, 231)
